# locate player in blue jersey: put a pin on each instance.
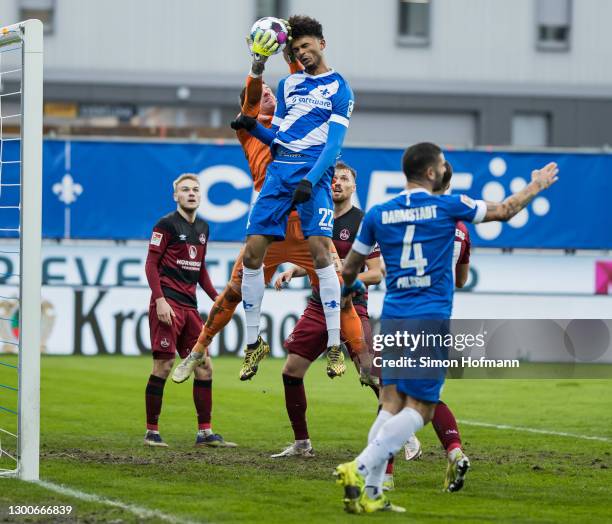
(415, 232)
(312, 116)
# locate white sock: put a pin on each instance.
(382, 417)
(375, 476)
(374, 480)
(253, 287)
(303, 443)
(390, 438)
(454, 454)
(329, 287)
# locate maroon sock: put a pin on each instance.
(375, 389)
(295, 401)
(202, 398)
(389, 470)
(446, 427)
(153, 400)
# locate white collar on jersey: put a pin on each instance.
(416, 190)
(330, 72)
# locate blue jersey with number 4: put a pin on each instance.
(416, 232)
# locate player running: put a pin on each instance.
(258, 103)
(175, 265)
(415, 231)
(308, 339)
(306, 136)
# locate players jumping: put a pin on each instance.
(258, 104)
(308, 128)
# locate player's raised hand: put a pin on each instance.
(263, 45)
(302, 192)
(546, 176)
(287, 53)
(243, 122)
(282, 282)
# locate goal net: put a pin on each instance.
(20, 241)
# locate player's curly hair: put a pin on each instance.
(305, 26)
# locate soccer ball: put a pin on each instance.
(273, 25)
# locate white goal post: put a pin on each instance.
(27, 38)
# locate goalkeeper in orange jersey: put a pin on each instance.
(258, 101)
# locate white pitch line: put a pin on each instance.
(534, 430)
(139, 511)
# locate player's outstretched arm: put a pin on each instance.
(251, 125)
(262, 47)
(540, 180)
(352, 264)
(373, 274)
(286, 276)
(252, 96)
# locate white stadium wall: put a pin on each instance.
(108, 41)
(95, 299)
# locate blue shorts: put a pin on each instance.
(408, 368)
(271, 210)
(420, 389)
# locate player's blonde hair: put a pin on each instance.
(185, 176)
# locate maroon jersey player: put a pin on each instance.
(175, 265)
(308, 339)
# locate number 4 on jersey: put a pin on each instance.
(419, 263)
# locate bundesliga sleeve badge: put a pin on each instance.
(468, 201)
(156, 238)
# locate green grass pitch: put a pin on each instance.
(93, 424)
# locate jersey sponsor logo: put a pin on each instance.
(345, 234)
(156, 238)
(193, 251)
(310, 101)
(351, 104)
(202, 238)
(164, 343)
(189, 265)
(182, 237)
(468, 201)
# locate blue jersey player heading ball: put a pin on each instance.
(415, 231)
(312, 116)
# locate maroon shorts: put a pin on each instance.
(180, 337)
(309, 336)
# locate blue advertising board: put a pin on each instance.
(118, 190)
